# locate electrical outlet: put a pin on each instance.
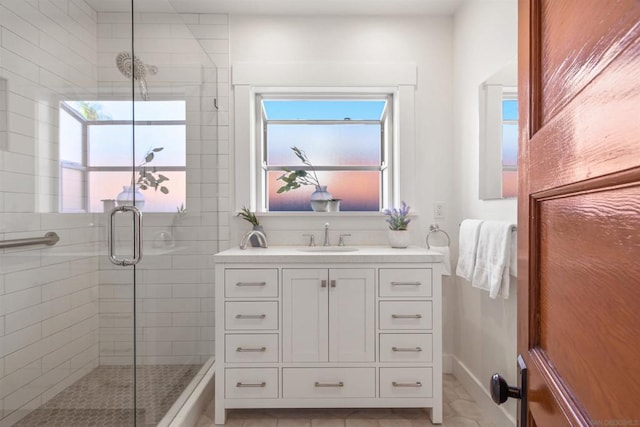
(438, 210)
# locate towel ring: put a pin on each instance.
(435, 228)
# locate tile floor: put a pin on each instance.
(104, 397)
(460, 410)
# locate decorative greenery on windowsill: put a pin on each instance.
(147, 177)
(297, 178)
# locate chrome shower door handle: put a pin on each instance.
(137, 236)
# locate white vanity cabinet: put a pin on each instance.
(328, 315)
(309, 330)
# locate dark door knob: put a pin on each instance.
(501, 391)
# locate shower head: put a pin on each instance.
(133, 67)
(129, 66)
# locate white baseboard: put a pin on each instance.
(447, 364)
(497, 414)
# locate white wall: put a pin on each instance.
(425, 42)
(48, 296)
(485, 39)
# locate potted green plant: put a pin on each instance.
(246, 214)
(297, 178)
(398, 220)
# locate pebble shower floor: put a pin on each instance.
(104, 397)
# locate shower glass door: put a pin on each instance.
(174, 83)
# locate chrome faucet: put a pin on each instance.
(262, 239)
(326, 234)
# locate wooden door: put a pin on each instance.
(579, 210)
(351, 315)
(305, 315)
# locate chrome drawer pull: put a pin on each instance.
(340, 384)
(406, 349)
(250, 316)
(251, 284)
(416, 384)
(406, 283)
(251, 350)
(406, 316)
(262, 384)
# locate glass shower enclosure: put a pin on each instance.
(108, 213)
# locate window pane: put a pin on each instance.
(160, 110)
(283, 109)
(72, 190)
(324, 145)
(107, 185)
(358, 191)
(509, 184)
(509, 145)
(509, 109)
(123, 110)
(171, 138)
(70, 138)
(111, 145)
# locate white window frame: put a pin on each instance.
(86, 169)
(250, 79)
(386, 139)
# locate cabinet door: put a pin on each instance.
(305, 315)
(351, 315)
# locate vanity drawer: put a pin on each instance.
(405, 282)
(255, 383)
(251, 315)
(405, 315)
(251, 283)
(406, 382)
(406, 348)
(251, 348)
(310, 383)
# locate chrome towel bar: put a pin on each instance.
(435, 228)
(49, 239)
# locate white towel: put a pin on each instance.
(446, 259)
(468, 244)
(491, 271)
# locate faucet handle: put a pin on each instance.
(312, 239)
(342, 236)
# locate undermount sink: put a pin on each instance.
(328, 249)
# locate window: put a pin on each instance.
(345, 138)
(96, 150)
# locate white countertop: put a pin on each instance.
(299, 254)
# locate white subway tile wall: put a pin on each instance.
(65, 309)
(48, 296)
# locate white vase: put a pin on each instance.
(320, 199)
(399, 238)
(126, 197)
